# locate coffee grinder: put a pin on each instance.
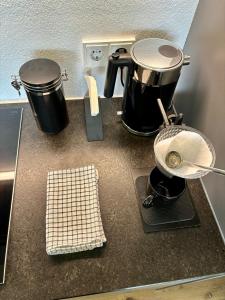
(153, 69)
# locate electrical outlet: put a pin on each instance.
(114, 46)
(95, 55)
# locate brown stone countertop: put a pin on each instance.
(130, 257)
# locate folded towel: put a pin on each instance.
(73, 219)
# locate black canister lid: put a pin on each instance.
(39, 72)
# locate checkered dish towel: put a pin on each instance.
(73, 219)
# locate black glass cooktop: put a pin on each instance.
(10, 125)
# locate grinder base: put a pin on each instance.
(179, 214)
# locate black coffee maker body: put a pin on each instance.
(154, 67)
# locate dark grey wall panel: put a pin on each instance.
(201, 90)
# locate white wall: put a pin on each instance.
(200, 93)
(55, 29)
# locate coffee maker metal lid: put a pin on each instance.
(39, 72)
(155, 54)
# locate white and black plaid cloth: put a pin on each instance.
(73, 219)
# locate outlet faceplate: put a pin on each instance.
(96, 53)
(95, 57)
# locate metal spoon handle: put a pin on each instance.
(163, 112)
(215, 170)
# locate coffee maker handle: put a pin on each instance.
(116, 60)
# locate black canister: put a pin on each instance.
(42, 81)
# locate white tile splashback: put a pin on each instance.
(55, 29)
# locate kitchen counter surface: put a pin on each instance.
(130, 257)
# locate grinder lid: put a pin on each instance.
(39, 72)
(154, 53)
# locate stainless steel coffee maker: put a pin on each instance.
(154, 67)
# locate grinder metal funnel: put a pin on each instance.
(171, 130)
